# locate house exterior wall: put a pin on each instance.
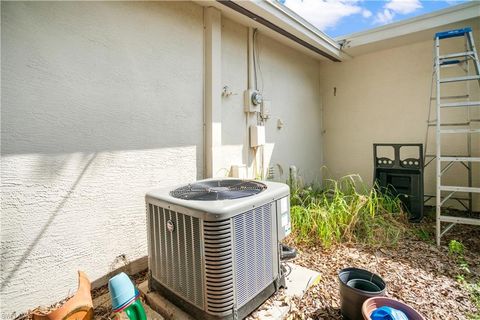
(291, 82)
(384, 97)
(103, 101)
(100, 102)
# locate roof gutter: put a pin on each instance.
(331, 49)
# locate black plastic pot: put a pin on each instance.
(356, 286)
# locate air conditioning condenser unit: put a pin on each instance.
(214, 245)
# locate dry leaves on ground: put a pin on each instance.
(416, 272)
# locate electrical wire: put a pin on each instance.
(288, 268)
(256, 54)
(254, 59)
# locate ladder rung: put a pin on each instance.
(460, 220)
(460, 189)
(456, 55)
(463, 159)
(452, 124)
(460, 104)
(453, 33)
(434, 156)
(465, 96)
(432, 196)
(456, 79)
(451, 63)
(459, 130)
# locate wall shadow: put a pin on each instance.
(45, 227)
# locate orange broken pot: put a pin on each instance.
(78, 307)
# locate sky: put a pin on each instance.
(342, 17)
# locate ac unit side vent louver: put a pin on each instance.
(176, 258)
(253, 238)
(218, 266)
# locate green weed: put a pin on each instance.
(422, 234)
(456, 247)
(465, 277)
(345, 210)
(474, 289)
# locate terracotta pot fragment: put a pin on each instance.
(78, 307)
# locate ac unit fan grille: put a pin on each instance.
(218, 190)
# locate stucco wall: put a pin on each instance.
(290, 80)
(103, 101)
(100, 102)
(384, 97)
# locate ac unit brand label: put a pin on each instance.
(170, 226)
(283, 205)
(287, 227)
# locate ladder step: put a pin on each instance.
(451, 124)
(451, 63)
(454, 156)
(431, 196)
(459, 130)
(463, 159)
(456, 55)
(453, 33)
(460, 220)
(460, 189)
(456, 79)
(460, 104)
(465, 96)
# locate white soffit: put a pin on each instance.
(412, 30)
(282, 24)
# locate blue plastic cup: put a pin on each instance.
(122, 291)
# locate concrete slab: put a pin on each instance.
(298, 281)
(161, 305)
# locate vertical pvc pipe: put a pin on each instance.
(249, 118)
(438, 144)
(213, 89)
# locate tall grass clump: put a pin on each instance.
(345, 210)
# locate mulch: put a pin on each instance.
(416, 272)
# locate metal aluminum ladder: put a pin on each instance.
(446, 192)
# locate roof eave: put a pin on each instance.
(424, 22)
(276, 19)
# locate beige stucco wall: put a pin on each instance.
(100, 102)
(384, 96)
(290, 80)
